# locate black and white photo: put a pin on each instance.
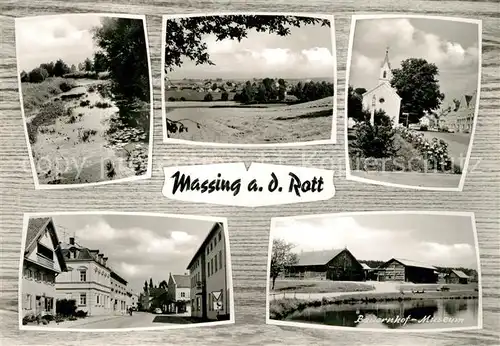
(85, 89)
(92, 271)
(249, 79)
(412, 99)
(376, 271)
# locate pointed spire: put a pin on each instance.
(386, 59)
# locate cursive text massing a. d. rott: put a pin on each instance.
(183, 182)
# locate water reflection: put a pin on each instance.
(427, 314)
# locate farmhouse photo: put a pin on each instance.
(249, 79)
(412, 93)
(91, 271)
(85, 97)
(400, 271)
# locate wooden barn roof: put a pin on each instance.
(317, 257)
(410, 263)
(460, 274)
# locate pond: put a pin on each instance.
(416, 314)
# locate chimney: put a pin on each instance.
(71, 240)
(104, 260)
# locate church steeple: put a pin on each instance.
(385, 69)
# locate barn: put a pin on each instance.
(457, 277)
(337, 264)
(397, 269)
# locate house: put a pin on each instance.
(457, 277)
(465, 113)
(428, 121)
(209, 277)
(43, 262)
(179, 292)
(383, 96)
(404, 270)
(337, 264)
(132, 299)
(89, 280)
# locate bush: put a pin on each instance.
(85, 134)
(91, 88)
(29, 318)
(374, 141)
(224, 96)
(423, 127)
(65, 307)
(208, 97)
(81, 314)
(99, 104)
(66, 86)
(48, 317)
(172, 99)
(84, 103)
(38, 75)
(182, 98)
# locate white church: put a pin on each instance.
(383, 96)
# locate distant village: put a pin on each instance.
(66, 281)
(340, 264)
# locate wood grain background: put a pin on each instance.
(249, 228)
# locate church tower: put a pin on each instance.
(385, 70)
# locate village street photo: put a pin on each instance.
(122, 271)
(380, 271)
(85, 89)
(412, 98)
(249, 79)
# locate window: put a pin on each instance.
(38, 276)
(208, 250)
(183, 294)
(385, 74)
(212, 265)
(215, 261)
(381, 100)
(215, 241)
(27, 301)
(97, 303)
(28, 273)
(83, 275)
(210, 302)
(83, 299)
(220, 259)
(208, 268)
(220, 236)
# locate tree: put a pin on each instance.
(24, 77)
(150, 283)
(73, 68)
(145, 286)
(38, 75)
(100, 62)
(87, 63)
(49, 67)
(418, 87)
(208, 97)
(355, 105)
(163, 285)
(60, 68)
(456, 105)
(224, 96)
(281, 258)
(81, 67)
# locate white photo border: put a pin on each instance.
(465, 169)
(229, 272)
(331, 140)
(472, 217)
(148, 173)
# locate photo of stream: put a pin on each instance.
(86, 98)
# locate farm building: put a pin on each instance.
(457, 277)
(330, 265)
(408, 271)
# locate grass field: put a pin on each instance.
(320, 286)
(303, 122)
(193, 95)
(35, 94)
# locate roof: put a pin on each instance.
(410, 263)
(317, 257)
(215, 228)
(379, 86)
(460, 274)
(365, 266)
(182, 281)
(35, 227)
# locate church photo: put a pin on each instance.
(412, 93)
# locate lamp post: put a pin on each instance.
(372, 113)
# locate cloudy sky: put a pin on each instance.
(305, 53)
(138, 247)
(434, 239)
(451, 45)
(43, 39)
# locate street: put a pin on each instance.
(137, 320)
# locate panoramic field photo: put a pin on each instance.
(412, 89)
(249, 79)
(86, 99)
(82, 272)
(375, 271)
